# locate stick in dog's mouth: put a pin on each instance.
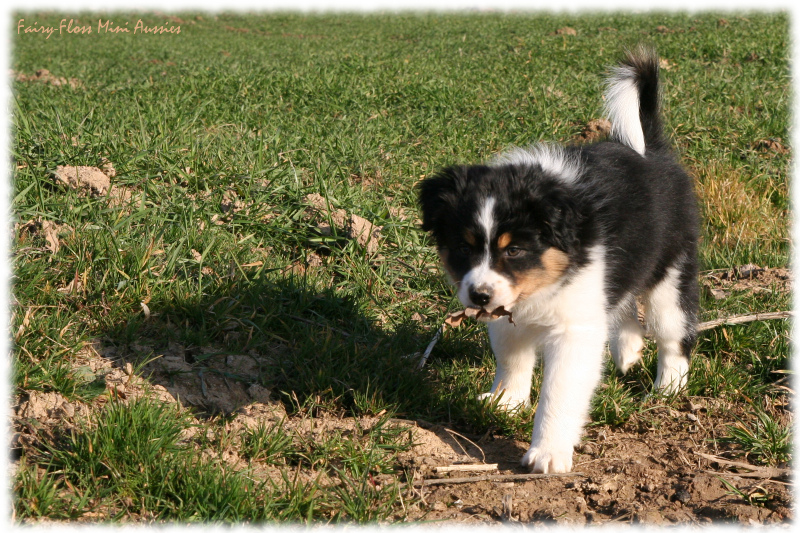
(455, 318)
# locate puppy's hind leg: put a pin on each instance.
(626, 341)
(672, 317)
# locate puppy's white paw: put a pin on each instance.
(627, 351)
(672, 376)
(505, 400)
(548, 460)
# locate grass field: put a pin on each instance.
(206, 250)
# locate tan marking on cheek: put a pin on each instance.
(470, 238)
(554, 263)
(503, 240)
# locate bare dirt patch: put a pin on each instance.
(720, 284)
(221, 385)
(632, 474)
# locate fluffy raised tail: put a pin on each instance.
(632, 102)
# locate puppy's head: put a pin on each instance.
(503, 232)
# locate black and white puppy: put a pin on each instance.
(566, 238)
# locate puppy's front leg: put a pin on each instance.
(515, 351)
(572, 369)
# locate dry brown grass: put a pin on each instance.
(735, 213)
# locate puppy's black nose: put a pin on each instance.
(480, 295)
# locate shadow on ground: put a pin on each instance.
(266, 341)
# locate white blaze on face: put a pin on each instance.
(482, 274)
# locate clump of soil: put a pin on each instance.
(95, 181)
(49, 407)
(91, 179)
(44, 76)
(596, 130)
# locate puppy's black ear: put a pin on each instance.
(562, 219)
(438, 193)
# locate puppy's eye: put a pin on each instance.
(513, 251)
(464, 250)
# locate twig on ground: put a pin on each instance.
(756, 471)
(743, 319)
(429, 349)
(493, 477)
(465, 468)
(508, 508)
(749, 475)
